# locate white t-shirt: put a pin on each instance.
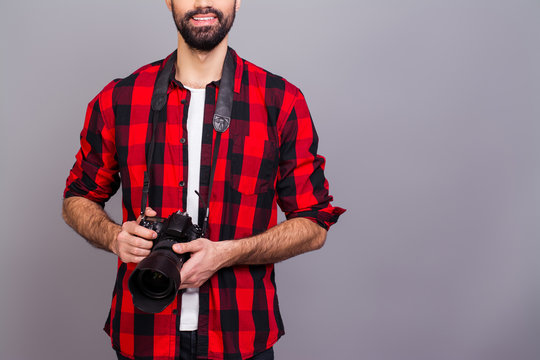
(189, 316)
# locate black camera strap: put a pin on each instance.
(221, 120)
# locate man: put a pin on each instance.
(265, 155)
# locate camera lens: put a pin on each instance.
(155, 281)
(154, 284)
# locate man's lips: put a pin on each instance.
(204, 19)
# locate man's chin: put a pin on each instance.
(202, 47)
(205, 42)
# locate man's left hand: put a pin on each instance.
(205, 260)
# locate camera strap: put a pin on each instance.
(221, 120)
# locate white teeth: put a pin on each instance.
(203, 18)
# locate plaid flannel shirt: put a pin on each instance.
(268, 156)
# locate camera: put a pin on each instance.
(155, 281)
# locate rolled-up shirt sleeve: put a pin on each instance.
(302, 187)
(95, 172)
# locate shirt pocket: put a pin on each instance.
(254, 164)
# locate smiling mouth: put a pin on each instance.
(204, 19)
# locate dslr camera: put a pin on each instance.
(155, 281)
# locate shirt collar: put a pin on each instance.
(239, 68)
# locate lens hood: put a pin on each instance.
(155, 281)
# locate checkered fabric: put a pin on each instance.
(267, 157)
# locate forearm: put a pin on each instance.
(89, 220)
(290, 238)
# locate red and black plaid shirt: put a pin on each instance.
(268, 156)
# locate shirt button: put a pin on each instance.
(175, 311)
(183, 140)
(184, 101)
(182, 183)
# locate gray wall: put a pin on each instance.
(428, 113)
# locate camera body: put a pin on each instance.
(155, 281)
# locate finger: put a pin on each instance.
(133, 229)
(127, 257)
(150, 212)
(137, 242)
(184, 285)
(186, 271)
(191, 283)
(189, 247)
(137, 251)
(138, 259)
(134, 259)
(187, 281)
(127, 253)
(147, 212)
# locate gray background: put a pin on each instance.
(428, 113)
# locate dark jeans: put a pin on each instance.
(188, 349)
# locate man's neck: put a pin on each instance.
(196, 69)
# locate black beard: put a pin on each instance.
(204, 38)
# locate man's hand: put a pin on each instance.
(207, 257)
(288, 239)
(133, 242)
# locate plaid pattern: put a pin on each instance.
(267, 157)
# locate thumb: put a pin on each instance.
(150, 212)
(147, 212)
(188, 247)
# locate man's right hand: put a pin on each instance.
(133, 242)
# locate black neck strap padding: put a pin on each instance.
(159, 96)
(222, 114)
